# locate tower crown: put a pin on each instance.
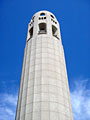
(43, 23)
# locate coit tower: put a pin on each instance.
(44, 91)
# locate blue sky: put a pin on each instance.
(74, 19)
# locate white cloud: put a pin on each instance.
(10, 98)
(8, 106)
(80, 98)
(9, 111)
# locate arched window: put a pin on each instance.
(42, 28)
(31, 32)
(52, 16)
(42, 14)
(54, 31)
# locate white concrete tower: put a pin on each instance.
(44, 91)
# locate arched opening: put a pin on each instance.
(52, 16)
(42, 28)
(42, 14)
(54, 31)
(31, 32)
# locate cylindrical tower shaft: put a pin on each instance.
(44, 91)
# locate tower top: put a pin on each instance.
(44, 13)
(43, 23)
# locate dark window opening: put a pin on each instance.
(41, 18)
(42, 14)
(54, 31)
(42, 28)
(33, 17)
(52, 16)
(31, 32)
(53, 21)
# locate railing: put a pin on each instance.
(42, 32)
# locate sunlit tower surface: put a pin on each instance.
(44, 91)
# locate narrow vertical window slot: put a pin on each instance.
(31, 32)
